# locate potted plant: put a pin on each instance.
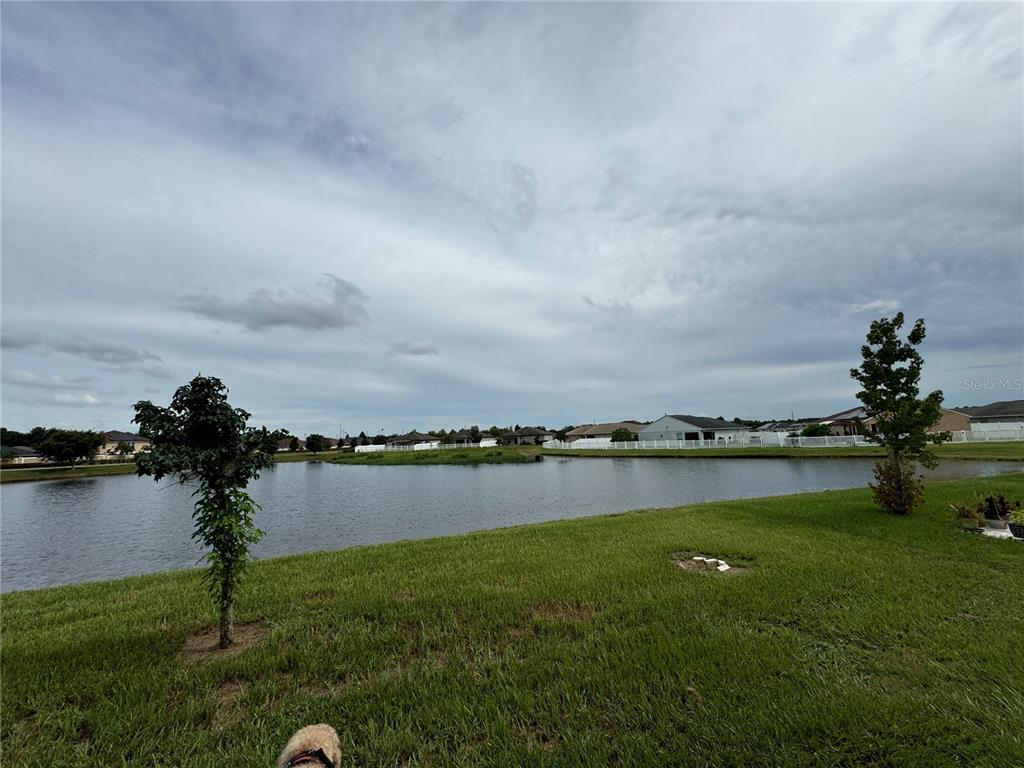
(996, 511)
(1017, 523)
(967, 517)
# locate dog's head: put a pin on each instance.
(306, 746)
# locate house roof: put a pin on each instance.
(462, 434)
(21, 450)
(847, 415)
(704, 422)
(531, 432)
(606, 428)
(1002, 408)
(126, 437)
(784, 426)
(414, 436)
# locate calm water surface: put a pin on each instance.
(66, 531)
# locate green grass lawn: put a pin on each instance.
(498, 455)
(852, 638)
(994, 451)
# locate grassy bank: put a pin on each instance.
(993, 451)
(500, 455)
(852, 638)
(13, 475)
(66, 473)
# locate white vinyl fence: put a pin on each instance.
(773, 440)
(431, 446)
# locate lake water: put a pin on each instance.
(67, 531)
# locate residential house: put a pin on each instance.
(285, 444)
(603, 431)
(855, 421)
(20, 454)
(528, 436)
(462, 437)
(848, 422)
(686, 427)
(112, 441)
(1006, 414)
(412, 438)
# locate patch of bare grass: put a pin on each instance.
(203, 645)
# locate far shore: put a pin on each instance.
(524, 453)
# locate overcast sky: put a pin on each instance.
(418, 216)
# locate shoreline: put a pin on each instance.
(986, 451)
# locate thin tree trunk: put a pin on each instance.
(227, 626)
(897, 463)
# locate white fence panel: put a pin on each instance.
(772, 440)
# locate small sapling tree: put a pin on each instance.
(889, 376)
(201, 439)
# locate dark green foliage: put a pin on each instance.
(379, 440)
(889, 376)
(816, 430)
(316, 443)
(201, 439)
(623, 435)
(67, 446)
(124, 448)
(294, 444)
(474, 433)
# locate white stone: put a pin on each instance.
(723, 567)
(698, 557)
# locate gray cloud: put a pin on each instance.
(264, 309)
(79, 346)
(35, 381)
(408, 347)
(102, 351)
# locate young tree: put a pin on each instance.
(379, 440)
(889, 376)
(66, 446)
(201, 439)
(623, 435)
(316, 443)
(816, 430)
(294, 444)
(363, 439)
(124, 449)
(474, 433)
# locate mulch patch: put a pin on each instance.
(203, 645)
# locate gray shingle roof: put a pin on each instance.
(705, 422)
(1002, 408)
(126, 437)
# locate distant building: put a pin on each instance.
(412, 438)
(603, 431)
(528, 436)
(686, 427)
(856, 421)
(285, 444)
(1006, 414)
(785, 426)
(113, 439)
(20, 454)
(462, 437)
